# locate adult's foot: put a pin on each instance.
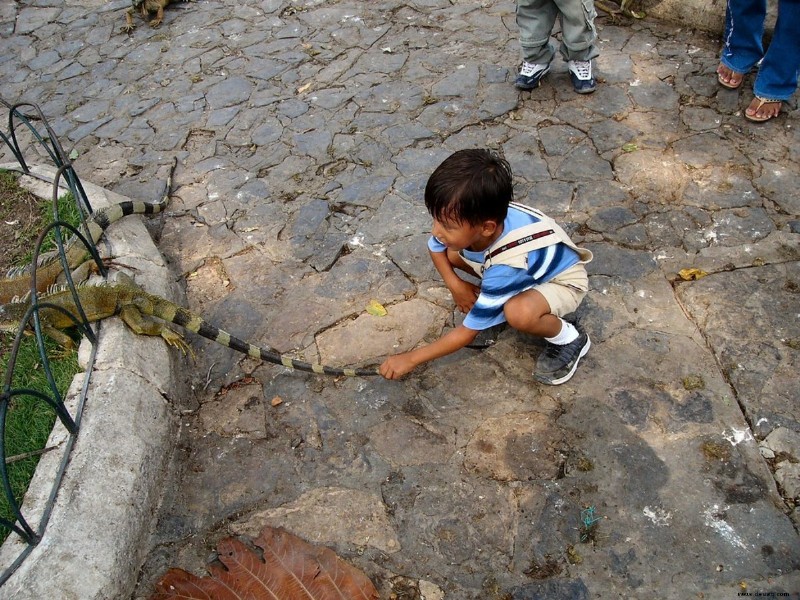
(762, 109)
(728, 77)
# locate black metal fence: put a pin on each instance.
(28, 131)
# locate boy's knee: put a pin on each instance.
(523, 309)
(514, 317)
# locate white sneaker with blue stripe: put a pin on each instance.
(530, 75)
(580, 72)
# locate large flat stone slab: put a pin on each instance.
(369, 337)
(750, 319)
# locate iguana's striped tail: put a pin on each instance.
(101, 219)
(180, 316)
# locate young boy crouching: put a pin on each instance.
(531, 273)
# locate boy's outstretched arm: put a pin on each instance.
(398, 365)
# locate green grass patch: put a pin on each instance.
(29, 420)
(67, 212)
(21, 220)
(23, 216)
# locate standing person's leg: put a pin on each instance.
(577, 29)
(777, 76)
(742, 45)
(577, 41)
(535, 20)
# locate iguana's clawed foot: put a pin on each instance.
(173, 338)
(129, 26)
(66, 343)
(159, 16)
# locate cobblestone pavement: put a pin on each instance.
(305, 131)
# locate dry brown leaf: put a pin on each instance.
(292, 569)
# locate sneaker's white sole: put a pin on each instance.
(569, 375)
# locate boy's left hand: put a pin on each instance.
(396, 366)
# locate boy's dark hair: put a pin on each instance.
(470, 186)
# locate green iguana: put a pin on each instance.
(17, 281)
(135, 307)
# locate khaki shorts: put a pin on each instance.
(565, 291)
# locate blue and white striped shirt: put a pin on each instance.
(502, 282)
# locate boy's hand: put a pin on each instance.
(396, 366)
(464, 295)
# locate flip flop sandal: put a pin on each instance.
(733, 84)
(761, 102)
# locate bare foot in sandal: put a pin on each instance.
(762, 109)
(728, 77)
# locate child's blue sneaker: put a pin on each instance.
(580, 72)
(530, 75)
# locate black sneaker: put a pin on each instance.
(557, 364)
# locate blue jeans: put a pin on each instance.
(535, 19)
(743, 46)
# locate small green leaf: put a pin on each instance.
(73, 154)
(376, 309)
(630, 147)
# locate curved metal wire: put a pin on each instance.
(50, 144)
(46, 139)
(56, 227)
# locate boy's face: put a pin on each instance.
(460, 235)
